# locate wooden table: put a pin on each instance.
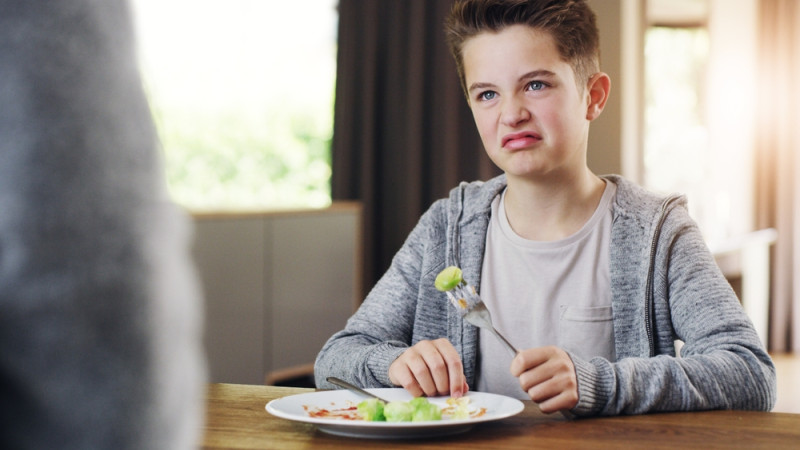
(236, 419)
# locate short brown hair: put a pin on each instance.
(571, 23)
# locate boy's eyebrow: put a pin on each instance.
(532, 74)
(537, 74)
(474, 86)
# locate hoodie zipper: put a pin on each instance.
(649, 289)
(455, 234)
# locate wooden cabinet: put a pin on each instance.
(276, 286)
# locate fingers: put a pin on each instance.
(457, 382)
(547, 374)
(430, 368)
(401, 375)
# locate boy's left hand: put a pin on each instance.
(547, 374)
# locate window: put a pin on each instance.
(676, 150)
(242, 95)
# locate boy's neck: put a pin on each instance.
(553, 209)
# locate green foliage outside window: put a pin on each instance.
(241, 160)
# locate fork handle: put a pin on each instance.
(341, 383)
(504, 340)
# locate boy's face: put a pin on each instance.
(530, 114)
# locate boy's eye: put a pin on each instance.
(535, 86)
(488, 95)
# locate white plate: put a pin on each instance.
(294, 407)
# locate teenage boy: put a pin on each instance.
(594, 277)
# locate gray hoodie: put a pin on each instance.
(665, 287)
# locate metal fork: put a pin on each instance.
(352, 387)
(466, 299)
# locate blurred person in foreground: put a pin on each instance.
(593, 277)
(100, 313)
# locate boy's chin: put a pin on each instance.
(519, 166)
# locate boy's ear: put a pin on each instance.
(598, 87)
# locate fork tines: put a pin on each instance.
(464, 297)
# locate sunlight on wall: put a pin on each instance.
(732, 90)
(242, 93)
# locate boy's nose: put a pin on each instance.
(514, 113)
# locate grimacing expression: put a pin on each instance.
(532, 118)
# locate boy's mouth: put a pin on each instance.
(520, 140)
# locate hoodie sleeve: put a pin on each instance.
(722, 364)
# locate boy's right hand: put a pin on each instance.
(432, 368)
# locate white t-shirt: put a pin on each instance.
(544, 293)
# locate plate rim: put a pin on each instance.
(271, 407)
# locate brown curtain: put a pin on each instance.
(778, 162)
(403, 134)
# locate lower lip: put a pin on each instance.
(516, 144)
